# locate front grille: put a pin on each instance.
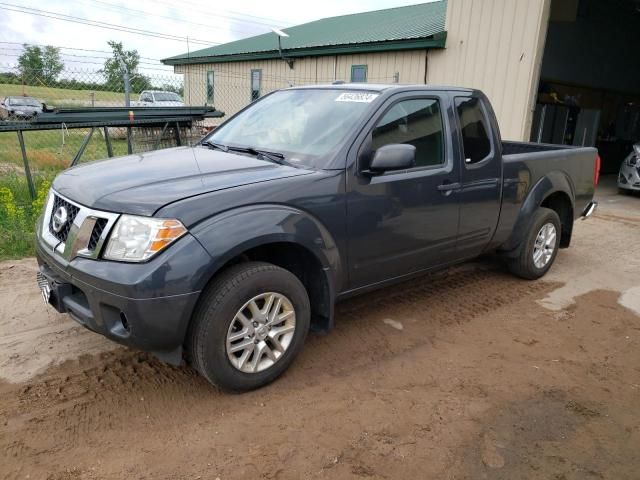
(98, 228)
(72, 211)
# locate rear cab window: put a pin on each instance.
(474, 129)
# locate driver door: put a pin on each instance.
(401, 222)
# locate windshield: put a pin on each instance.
(167, 97)
(25, 102)
(302, 124)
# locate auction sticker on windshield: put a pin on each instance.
(360, 97)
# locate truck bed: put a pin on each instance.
(512, 148)
(526, 164)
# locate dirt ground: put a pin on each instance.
(470, 374)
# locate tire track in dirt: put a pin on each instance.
(121, 389)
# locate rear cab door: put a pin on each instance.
(479, 147)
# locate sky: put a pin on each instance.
(205, 23)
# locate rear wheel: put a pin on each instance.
(540, 246)
(249, 326)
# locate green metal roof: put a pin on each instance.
(402, 28)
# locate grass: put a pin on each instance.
(48, 150)
(62, 96)
(18, 213)
(47, 156)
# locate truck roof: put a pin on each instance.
(379, 87)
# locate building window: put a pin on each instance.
(474, 128)
(256, 80)
(210, 79)
(359, 73)
(416, 122)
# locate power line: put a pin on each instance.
(68, 48)
(80, 56)
(141, 65)
(145, 13)
(267, 22)
(99, 24)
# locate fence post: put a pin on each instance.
(129, 145)
(107, 140)
(27, 170)
(127, 88)
(178, 137)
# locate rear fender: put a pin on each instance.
(555, 181)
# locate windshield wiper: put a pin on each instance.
(219, 146)
(275, 157)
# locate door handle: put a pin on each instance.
(447, 187)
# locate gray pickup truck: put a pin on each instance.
(225, 254)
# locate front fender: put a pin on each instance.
(552, 182)
(235, 231)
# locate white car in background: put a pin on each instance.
(629, 176)
(19, 108)
(159, 98)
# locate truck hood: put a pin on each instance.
(141, 184)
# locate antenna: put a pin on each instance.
(281, 34)
(184, 77)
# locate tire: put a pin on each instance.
(524, 265)
(217, 318)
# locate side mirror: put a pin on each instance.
(393, 157)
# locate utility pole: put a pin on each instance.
(127, 83)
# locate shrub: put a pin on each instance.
(19, 213)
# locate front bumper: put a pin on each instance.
(147, 305)
(629, 178)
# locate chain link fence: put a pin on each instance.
(24, 94)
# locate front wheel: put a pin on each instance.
(540, 246)
(249, 326)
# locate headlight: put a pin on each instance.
(136, 239)
(19, 112)
(632, 160)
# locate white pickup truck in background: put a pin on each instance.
(159, 98)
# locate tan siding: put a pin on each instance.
(496, 46)
(233, 79)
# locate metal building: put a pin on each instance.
(556, 71)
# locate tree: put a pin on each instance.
(30, 62)
(52, 64)
(40, 65)
(173, 88)
(120, 62)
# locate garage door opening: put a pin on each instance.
(589, 88)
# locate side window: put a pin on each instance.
(210, 86)
(359, 73)
(417, 122)
(474, 128)
(256, 79)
